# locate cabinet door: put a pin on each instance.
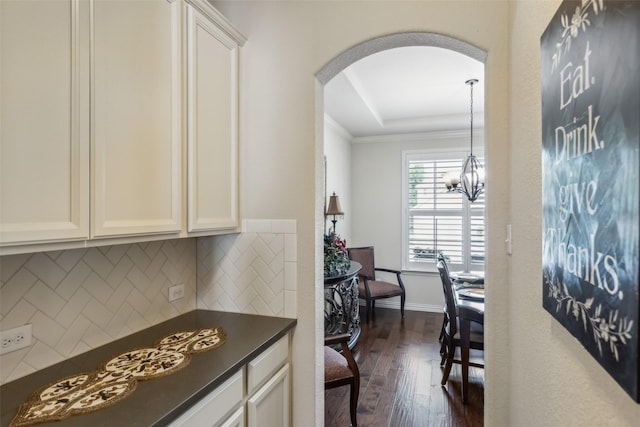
(269, 406)
(135, 117)
(212, 114)
(44, 171)
(235, 420)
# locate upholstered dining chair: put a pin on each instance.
(371, 289)
(452, 338)
(342, 369)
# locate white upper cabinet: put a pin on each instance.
(118, 122)
(212, 120)
(135, 117)
(44, 141)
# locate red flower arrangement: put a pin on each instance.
(336, 259)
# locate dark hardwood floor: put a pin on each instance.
(400, 377)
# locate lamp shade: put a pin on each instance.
(334, 206)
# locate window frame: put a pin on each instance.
(468, 212)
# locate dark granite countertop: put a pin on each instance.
(158, 401)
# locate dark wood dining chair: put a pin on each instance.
(369, 288)
(452, 336)
(341, 370)
(445, 318)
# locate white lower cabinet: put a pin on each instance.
(236, 419)
(269, 406)
(268, 387)
(257, 395)
(214, 408)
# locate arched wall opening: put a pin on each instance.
(323, 77)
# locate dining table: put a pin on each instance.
(472, 277)
(470, 308)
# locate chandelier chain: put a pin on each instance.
(471, 83)
(471, 113)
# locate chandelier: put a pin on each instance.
(469, 181)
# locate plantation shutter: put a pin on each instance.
(440, 222)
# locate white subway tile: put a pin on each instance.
(291, 248)
(257, 226)
(290, 304)
(283, 226)
(290, 276)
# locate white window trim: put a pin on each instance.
(430, 154)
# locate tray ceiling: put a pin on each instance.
(406, 90)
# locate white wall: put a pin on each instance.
(553, 379)
(376, 174)
(337, 150)
(536, 374)
(281, 110)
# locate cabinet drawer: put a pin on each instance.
(213, 409)
(235, 420)
(265, 365)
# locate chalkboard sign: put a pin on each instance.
(590, 57)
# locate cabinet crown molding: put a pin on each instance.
(225, 26)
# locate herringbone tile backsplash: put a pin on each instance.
(253, 272)
(77, 300)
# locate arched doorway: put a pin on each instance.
(343, 61)
(392, 41)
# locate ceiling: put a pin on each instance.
(406, 90)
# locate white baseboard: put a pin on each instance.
(429, 308)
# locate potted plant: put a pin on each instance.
(336, 259)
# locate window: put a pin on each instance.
(436, 221)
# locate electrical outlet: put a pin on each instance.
(176, 292)
(15, 339)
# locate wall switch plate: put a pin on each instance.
(15, 339)
(508, 240)
(176, 292)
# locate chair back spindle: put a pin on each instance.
(447, 288)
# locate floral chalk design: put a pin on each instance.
(571, 28)
(606, 328)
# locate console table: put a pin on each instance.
(341, 310)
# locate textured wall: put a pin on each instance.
(281, 133)
(554, 381)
